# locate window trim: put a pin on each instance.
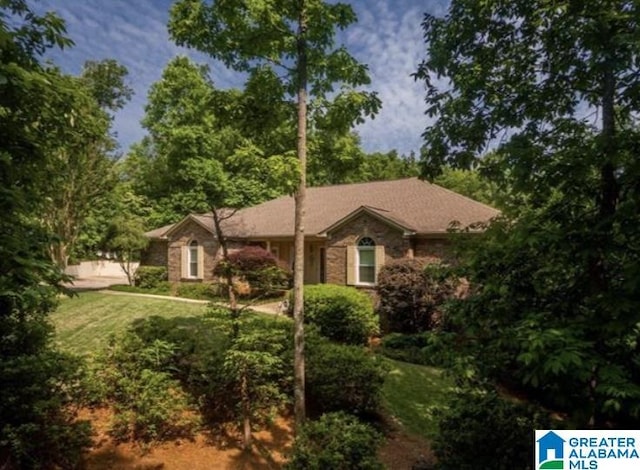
(193, 249)
(370, 246)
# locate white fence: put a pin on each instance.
(97, 268)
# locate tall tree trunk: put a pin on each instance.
(222, 241)
(298, 270)
(607, 205)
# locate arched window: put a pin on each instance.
(366, 261)
(193, 259)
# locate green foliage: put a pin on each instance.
(535, 324)
(150, 277)
(411, 296)
(198, 290)
(341, 313)
(105, 81)
(38, 427)
(343, 378)
(228, 32)
(555, 309)
(134, 378)
(228, 371)
(470, 183)
(126, 239)
(475, 421)
(337, 441)
(431, 348)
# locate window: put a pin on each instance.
(193, 259)
(366, 261)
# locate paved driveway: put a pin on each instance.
(96, 283)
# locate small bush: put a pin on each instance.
(343, 378)
(197, 290)
(38, 423)
(336, 441)
(341, 313)
(135, 379)
(258, 267)
(411, 296)
(150, 277)
(476, 421)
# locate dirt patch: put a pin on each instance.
(403, 451)
(203, 452)
(224, 451)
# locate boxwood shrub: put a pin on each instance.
(335, 441)
(343, 378)
(150, 277)
(341, 313)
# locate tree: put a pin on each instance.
(81, 143)
(555, 301)
(105, 80)
(37, 424)
(126, 239)
(295, 40)
(470, 183)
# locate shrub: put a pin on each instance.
(38, 425)
(258, 267)
(476, 421)
(218, 364)
(343, 378)
(149, 404)
(410, 296)
(198, 290)
(150, 277)
(335, 441)
(341, 313)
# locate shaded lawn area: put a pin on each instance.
(412, 393)
(85, 322)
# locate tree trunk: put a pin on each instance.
(222, 241)
(246, 411)
(607, 204)
(298, 269)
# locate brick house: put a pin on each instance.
(350, 231)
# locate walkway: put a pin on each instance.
(100, 284)
(272, 308)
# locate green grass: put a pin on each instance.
(85, 322)
(412, 393)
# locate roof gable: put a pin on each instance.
(379, 214)
(186, 220)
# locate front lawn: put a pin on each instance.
(84, 322)
(412, 393)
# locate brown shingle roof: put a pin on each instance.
(416, 205)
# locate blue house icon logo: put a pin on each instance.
(550, 452)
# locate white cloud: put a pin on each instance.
(388, 38)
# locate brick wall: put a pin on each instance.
(155, 254)
(395, 246)
(431, 250)
(188, 232)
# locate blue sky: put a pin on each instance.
(387, 37)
